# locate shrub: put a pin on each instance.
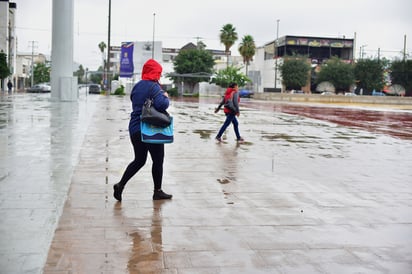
(119, 91)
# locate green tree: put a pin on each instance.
(247, 48)
(228, 37)
(401, 74)
(4, 68)
(228, 75)
(41, 73)
(80, 73)
(192, 66)
(96, 78)
(339, 73)
(295, 72)
(201, 45)
(369, 75)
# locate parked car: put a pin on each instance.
(350, 94)
(378, 93)
(244, 93)
(40, 88)
(94, 89)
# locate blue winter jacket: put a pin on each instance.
(142, 90)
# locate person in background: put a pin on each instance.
(232, 93)
(147, 87)
(9, 86)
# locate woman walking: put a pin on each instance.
(147, 87)
(232, 93)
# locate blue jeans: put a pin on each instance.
(230, 118)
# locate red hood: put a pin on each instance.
(229, 91)
(151, 70)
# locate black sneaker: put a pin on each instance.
(117, 194)
(160, 195)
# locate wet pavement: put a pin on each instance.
(315, 189)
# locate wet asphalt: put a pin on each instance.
(314, 189)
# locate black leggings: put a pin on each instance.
(140, 156)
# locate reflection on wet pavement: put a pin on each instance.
(304, 194)
(39, 145)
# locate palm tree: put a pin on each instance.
(247, 49)
(228, 36)
(102, 46)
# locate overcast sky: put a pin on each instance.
(377, 23)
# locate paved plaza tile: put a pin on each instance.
(301, 195)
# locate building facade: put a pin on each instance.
(143, 50)
(318, 50)
(263, 70)
(8, 37)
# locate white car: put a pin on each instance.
(94, 89)
(350, 94)
(41, 88)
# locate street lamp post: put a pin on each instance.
(108, 50)
(153, 37)
(362, 51)
(276, 52)
(32, 69)
(32, 61)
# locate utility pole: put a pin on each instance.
(354, 47)
(32, 45)
(404, 48)
(362, 51)
(10, 47)
(153, 38)
(276, 52)
(108, 78)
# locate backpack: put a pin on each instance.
(229, 103)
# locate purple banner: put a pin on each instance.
(126, 60)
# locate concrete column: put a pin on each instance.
(4, 19)
(63, 84)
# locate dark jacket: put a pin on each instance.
(148, 87)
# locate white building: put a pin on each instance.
(142, 51)
(25, 61)
(7, 36)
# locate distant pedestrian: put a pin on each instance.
(9, 86)
(232, 93)
(147, 87)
